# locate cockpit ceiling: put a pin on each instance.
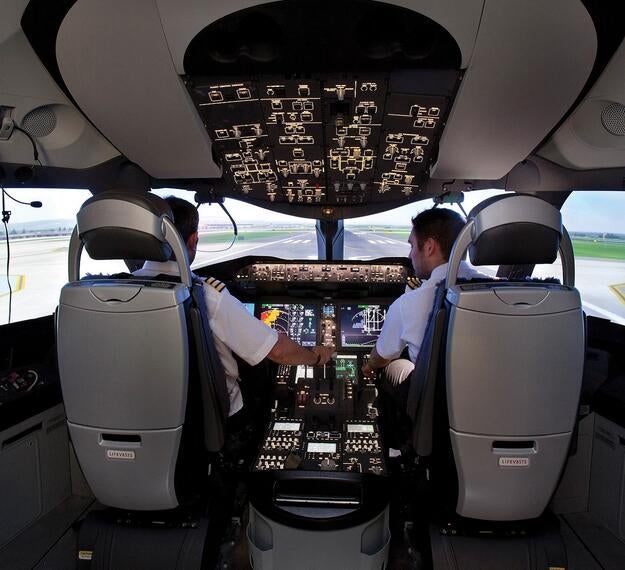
(357, 105)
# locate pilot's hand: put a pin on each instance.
(366, 369)
(325, 352)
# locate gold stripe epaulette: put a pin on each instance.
(215, 284)
(413, 282)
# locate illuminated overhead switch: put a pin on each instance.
(417, 111)
(337, 186)
(317, 172)
(284, 172)
(409, 178)
(363, 142)
(276, 105)
(350, 186)
(243, 93)
(340, 92)
(262, 153)
(236, 132)
(363, 186)
(384, 187)
(215, 96)
(303, 90)
(246, 189)
(341, 141)
(257, 130)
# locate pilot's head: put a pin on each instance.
(186, 220)
(433, 234)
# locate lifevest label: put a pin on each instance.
(514, 462)
(120, 454)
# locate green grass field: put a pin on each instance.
(221, 237)
(598, 249)
(581, 247)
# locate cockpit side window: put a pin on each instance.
(38, 247)
(596, 225)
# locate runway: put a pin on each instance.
(39, 269)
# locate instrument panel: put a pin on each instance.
(357, 327)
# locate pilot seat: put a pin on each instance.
(495, 391)
(143, 388)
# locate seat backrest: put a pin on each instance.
(508, 375)
(143, 407)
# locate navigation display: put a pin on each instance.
(249, 307)
(361, 325)
(346, 367)
(297, 321)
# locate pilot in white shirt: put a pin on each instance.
(234, 328)
(433, 234)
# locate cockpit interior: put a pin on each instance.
(504, 446)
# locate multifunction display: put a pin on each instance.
(361, 325)
(297, 321)
(346, 366)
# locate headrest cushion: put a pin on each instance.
(124, 225)
(514, 230)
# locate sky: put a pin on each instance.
(583, 211)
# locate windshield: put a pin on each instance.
(386, 234)
(260, 232)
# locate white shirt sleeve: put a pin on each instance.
(240, 331)
(390, 343)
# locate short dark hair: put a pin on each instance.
(440, 224)
(186, 217)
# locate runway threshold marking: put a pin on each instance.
(619, 290)
(18, 282)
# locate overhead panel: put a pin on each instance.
(325, 139)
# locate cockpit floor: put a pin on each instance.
(51, 544)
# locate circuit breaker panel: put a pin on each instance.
(331, 140)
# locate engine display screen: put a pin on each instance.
(297, 321)
(361, 325)
(321, 447)
(346, 367)
(249, 307)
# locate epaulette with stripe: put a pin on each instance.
(215, 284)
(413, 282)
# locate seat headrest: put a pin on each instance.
(514, 230)
(124, 225)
